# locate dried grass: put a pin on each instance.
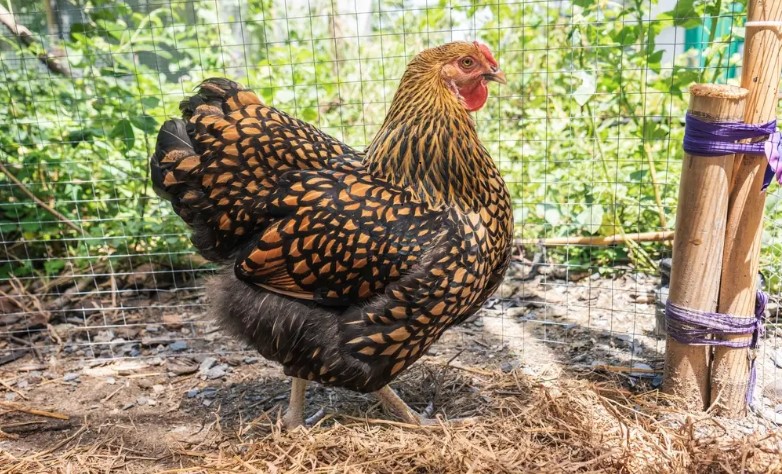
(529, 425)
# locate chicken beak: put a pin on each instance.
(496, 76)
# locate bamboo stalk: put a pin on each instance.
(697, 247)
(601, 240)
(760, 75)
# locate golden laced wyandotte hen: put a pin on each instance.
(347, 265)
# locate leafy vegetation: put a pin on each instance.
(587, 132)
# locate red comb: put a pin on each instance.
(486, 53)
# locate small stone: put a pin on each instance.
(644, 367)
(251, 360)
(158, 389)
(172, 321)
(128, 406)
(776, 357)
(103, 336)
(209, 392)
(141, 401)
(207, 364)
(192, 393)
(131, 350)
(70, 377)
(111, 381)
(178, 346)
(206, 403)
(217, 372)
(177, 369)
(773, 390)
(509, 366)
(152, 328)
(154, 341)
(10, 396)
(22, 383)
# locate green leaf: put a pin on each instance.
(584, 3)
(638, 175)
(684, 14)
(551, 213)
(124, 131)
(150, 101)
(145, 123)
(586, 90)
(591, 218)
(53, 266)
(654, 61)
(309, 114)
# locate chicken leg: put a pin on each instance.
(294, 415)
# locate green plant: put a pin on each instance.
(587, 132)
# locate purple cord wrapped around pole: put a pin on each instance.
(703, 138)
(688, 326)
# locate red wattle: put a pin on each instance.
(475, 96)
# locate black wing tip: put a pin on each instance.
(219, 85)
(214, 91)
(172, 135)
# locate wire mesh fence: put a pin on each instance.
(587, 134)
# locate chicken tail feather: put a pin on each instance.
(220, 163)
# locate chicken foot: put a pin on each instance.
(294, 414)
(393, 402)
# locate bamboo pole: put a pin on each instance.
(760, 75)
(698, 243)
(601, 240)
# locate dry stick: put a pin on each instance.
(33, 411)
(601, 239)
(28, 40)
(697, 248)
(35, 198)
(761, 68)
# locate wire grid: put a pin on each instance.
(127, 283)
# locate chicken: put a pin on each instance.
(347, 266)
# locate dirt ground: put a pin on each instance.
(149, 385)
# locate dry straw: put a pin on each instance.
(526, 424)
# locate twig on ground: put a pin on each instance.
(33, 411)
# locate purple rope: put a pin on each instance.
(689, 326)
(719, 138)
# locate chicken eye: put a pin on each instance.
(468, 62)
